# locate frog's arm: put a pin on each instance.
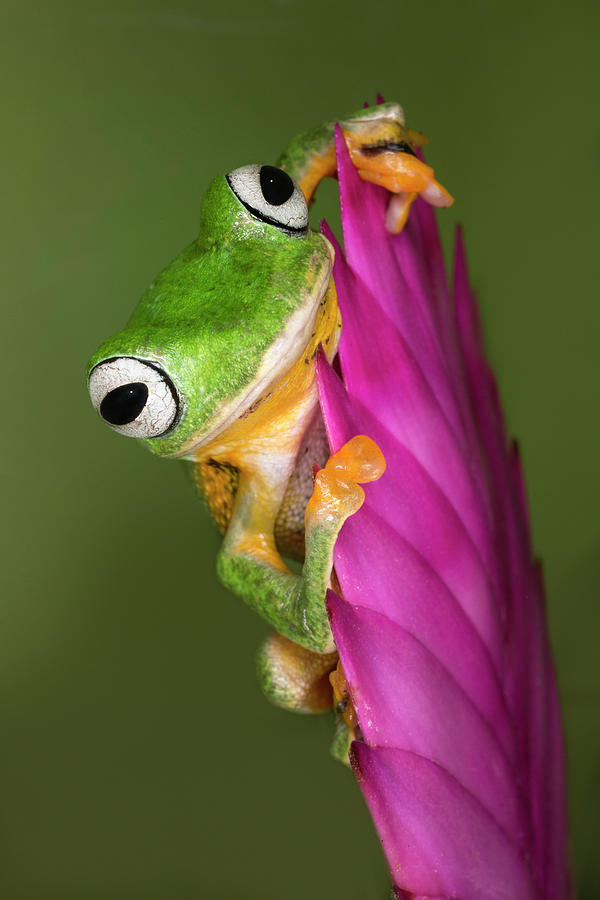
(381, 148)
(250, 565)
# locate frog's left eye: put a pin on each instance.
(270, 195)
(134, 396)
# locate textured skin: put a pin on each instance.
(293, 677)
(218, 483)
(236, 321)
(289, 525)
(211, 316)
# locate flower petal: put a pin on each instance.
(529, 684)
(415, 506)
(437, 837)
(441, 632)
(374, 355)
(369, 251)
(378, 570)
(404, 697)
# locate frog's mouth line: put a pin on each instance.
(284, 352)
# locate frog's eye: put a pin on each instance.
(270, 195)
(134, 396)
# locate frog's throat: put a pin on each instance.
(256, 455)
(315, 323)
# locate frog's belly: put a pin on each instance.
(218, 483)
(289, 525)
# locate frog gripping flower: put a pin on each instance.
(335, 407)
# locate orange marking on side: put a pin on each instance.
(218, 484)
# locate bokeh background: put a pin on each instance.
(138, 758)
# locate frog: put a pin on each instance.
(217, 367)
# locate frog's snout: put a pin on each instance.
(134, 396)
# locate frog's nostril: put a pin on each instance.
(124, 404)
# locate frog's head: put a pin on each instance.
(222, 323)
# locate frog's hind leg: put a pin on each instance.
(294, 677)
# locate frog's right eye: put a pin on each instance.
(134, 396)
(271, 195)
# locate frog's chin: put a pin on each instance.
(281, 356)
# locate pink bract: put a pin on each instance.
(441, 630)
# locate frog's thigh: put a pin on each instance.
(293, 677)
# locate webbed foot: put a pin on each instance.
(337, 493)
(383, 150)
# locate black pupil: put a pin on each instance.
(276, 185)
(124, 404)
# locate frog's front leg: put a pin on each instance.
(382, 149)
(250, 564)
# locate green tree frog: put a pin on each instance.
(216, 366)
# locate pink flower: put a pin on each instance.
(441, 630)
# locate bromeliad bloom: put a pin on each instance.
(440, 628)
(445, 671)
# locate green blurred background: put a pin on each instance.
(138, 758)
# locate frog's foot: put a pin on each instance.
(394, 165)
(337, 493)
(383, 150)
(293, 677)
(346, 729)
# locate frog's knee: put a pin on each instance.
(293, 677)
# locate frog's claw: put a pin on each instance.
(397, 211)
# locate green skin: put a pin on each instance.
(210, 317)
(209, 320)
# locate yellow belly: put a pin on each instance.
(269, 430)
